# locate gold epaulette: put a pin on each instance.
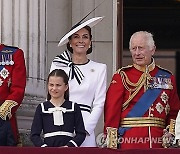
(164, 69)
(10, 46)
(9, 50)
(123, 68)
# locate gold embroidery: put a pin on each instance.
(172, 126)
(5, 109)
(111, 137)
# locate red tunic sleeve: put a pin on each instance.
(113, 103)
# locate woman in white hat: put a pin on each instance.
(87, 79)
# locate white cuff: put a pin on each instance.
(44, 145)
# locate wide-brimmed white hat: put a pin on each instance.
(91, 22)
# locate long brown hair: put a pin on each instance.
(90, 49)
(59, 73)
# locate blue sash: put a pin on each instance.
(144, 102)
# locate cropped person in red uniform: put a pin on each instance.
(141, 99)
(12, 83)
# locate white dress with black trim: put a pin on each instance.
(88, 89)
(60, 125)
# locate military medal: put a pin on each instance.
(7, 62)
(2, 62)
(1, 59)
(7, 57)
(4, 73)
(11, 61)
(160, 82)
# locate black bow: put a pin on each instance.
(65, 59)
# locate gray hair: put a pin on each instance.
(149, 38)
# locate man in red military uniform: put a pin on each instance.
(12, 83)
(141, 99)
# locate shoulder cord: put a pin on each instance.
(132, 92)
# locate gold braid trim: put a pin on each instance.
(111, 137)
(143, 122)
(164, 69)
(172, 126)
(5, 109)
(127, 81)
(124, 67)
(143, 81)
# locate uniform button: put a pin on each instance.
(151, 115)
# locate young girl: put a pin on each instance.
(59, 119)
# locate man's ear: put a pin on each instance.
(153, 50)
